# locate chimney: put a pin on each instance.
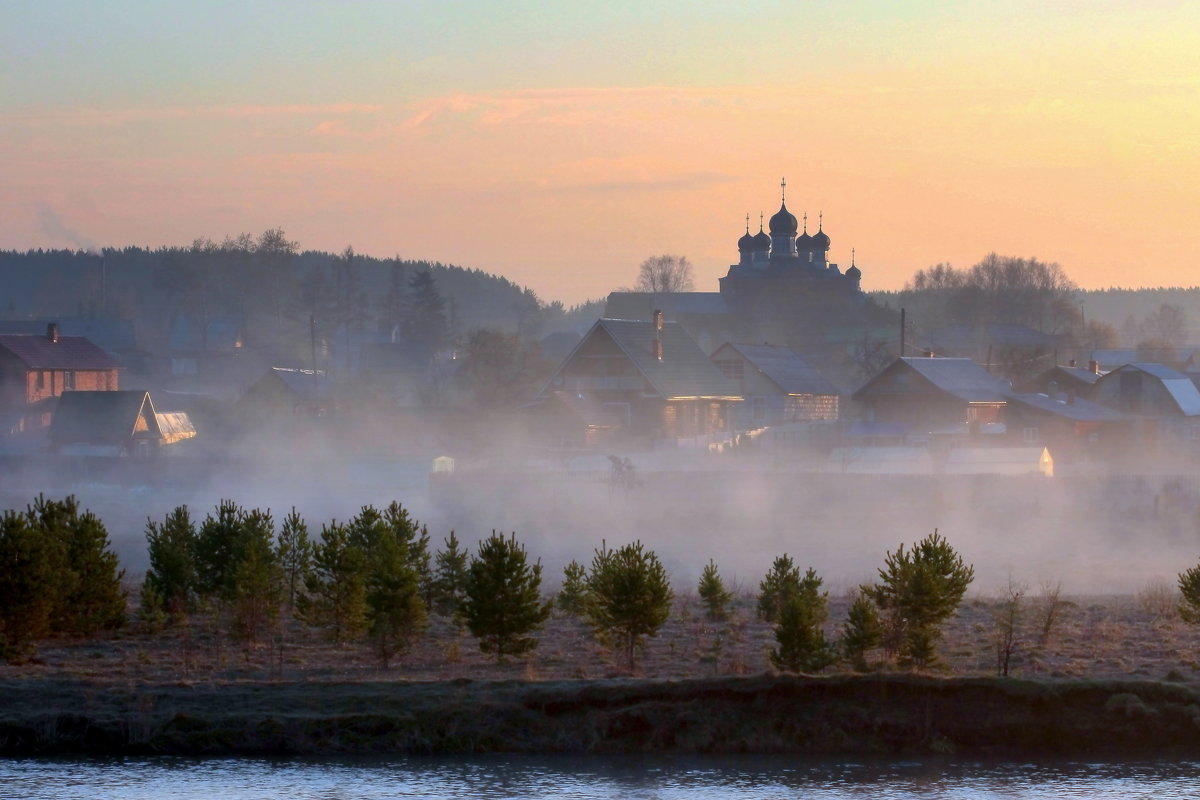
(928, 354)
(52, 332)
(658, 319)
(1071, 363)
(1094, 367)
(658, 349)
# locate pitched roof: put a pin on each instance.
(684, 371)
(304, 382)
(959, 377)
(1078, 410)
(1179, 386)
(69, 352)
(175, 426)
(108, 417)
(785, 369)
(1075, 373)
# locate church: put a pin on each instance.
(783, 290)
(782, 259)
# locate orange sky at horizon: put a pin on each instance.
(1078, 147)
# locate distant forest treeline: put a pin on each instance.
(1126, 310)
(269, 287)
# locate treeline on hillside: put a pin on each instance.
(272, 288)
(375, 580)
(1042, 296)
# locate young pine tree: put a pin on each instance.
(336, 588)
(171, 579)
(801, 641)
(713, 594)
(503, 603)
(628, 596)
(920, 589)
(88, 596)
(293, 552)
(95, 599)
(776, 586)
(395, 550)
(28, 585)
(862, 630)
(450, 577)
(572, 597)
(258, 585)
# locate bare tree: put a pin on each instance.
(665, 273)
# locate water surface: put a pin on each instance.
(726, 778)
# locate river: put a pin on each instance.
(627, 778)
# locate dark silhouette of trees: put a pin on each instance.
(663, 274)
(58, 575)
(424, 325)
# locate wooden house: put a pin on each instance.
(1072, 427)
(1067, 378)
(777, 386)
(118, 423)
(648, 375)
(283, 394)
(1163, 405)
(928, 396)
(36, 369)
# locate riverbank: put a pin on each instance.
(846, 715)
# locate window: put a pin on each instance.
(1029, 435)
(68, 380)
(41, 380)
(733, 368)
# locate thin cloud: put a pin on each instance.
(120, 116)
(581, 105)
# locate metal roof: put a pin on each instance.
(1079, 410)
(960, 377)
(69, 352)
(788, 371)
(175, 426)
(1179, 386)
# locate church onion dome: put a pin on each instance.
(820, 240)
(747, 241)
(761, 240)
(784, 222)
(854, 273)
(804, 241)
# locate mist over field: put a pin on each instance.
(1094, 534)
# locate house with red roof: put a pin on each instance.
(36, 369)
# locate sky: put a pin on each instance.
(561, 144)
